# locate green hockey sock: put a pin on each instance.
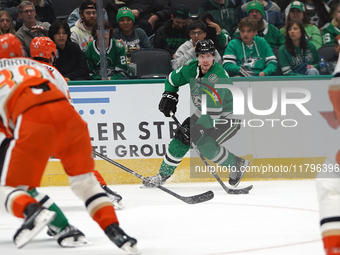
(173, 157)
(211, 150)
(60, 221)
(230, 161)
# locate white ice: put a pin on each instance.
(277, 217)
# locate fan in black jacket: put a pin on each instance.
(71, 62)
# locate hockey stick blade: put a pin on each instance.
(189, 200)
(228, 190)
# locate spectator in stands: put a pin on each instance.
(187, 50)
(115, 53)
(297, 13)
(6, 24)
(331, 30)
(11, 6)
(332, 61)
(250, 55)
(71, 62)
(265, 30)
(132, 38)
(273, 14)
(317, 12)
(31, 27)
(225, 13)
(298, 56)
(75, 15)
(44, 13)
(219, 36)
(149, 14)
(175, 32)
(81, 32)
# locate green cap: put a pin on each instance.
(125, 12)
(254, 5)
(297, 5)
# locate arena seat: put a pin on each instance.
(152, 63)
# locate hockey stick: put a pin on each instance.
(228, 190)
(189, 200)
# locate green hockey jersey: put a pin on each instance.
(219, 100)
(289, 63)
(258, 56)
(270, 33)
(329, 32)
(116, 60)
(312, 33)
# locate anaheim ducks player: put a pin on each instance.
(44, 50)
(328, 182)
(34, 128)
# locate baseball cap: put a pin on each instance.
(125, 12)
(254, 5)
(297, 5)
(181, 12)
(87, 4)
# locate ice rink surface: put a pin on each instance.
(276, 218)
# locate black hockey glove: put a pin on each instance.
(195, 133)
(246, 71)
(168, 103)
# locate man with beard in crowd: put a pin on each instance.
(175, 32)
(81, 32)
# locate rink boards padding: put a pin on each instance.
(286, 123)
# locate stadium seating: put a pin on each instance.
(152, 63)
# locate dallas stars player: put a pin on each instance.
(202, 74)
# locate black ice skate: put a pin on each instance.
(69, 237)
(37, 218)
(155, 180)
(122, 240)
(114, 197)
(237, 172)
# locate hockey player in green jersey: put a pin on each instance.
(202, 74)
(332, 29)
(250, 55)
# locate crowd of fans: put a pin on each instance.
(252, 38)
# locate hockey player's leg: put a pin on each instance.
(22, 205)
(328, 190)
(221, 156)
(173, 156)
(65, 234)
(114, 196)
(178, 147)
(99, 206)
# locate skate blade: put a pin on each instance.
(244, 171)
(45, 217)
(117, 205)
(71, 243)
(148, 187)
(132, 250)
